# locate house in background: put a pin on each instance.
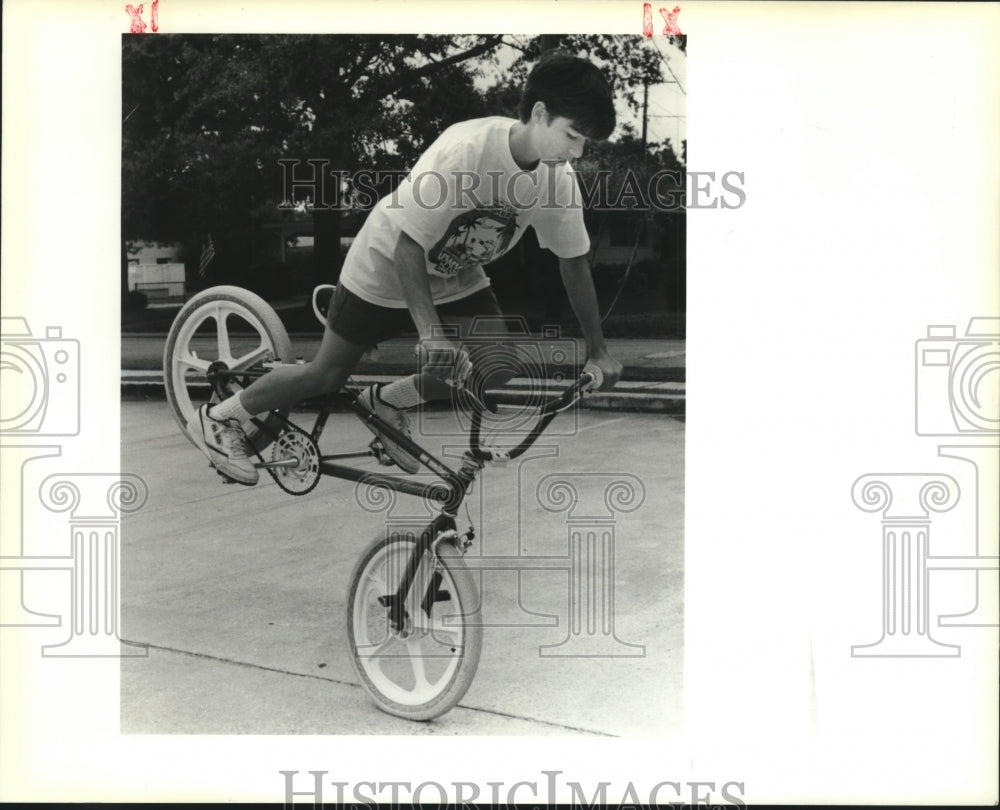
(156, 269)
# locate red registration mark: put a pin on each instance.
(137, 25)
(670, 29)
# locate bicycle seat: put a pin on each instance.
(321, 298)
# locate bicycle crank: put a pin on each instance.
(294, 463)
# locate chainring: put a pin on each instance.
(295, 444)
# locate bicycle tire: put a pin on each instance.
(457, 629)
(218, 304)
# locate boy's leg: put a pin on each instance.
(216, 430)
(288, 384)
(493, 363)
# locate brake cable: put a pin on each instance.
(628, 268)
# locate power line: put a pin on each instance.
(664, 109)
(671, 86)
(666, 62)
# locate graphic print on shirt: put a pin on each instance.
(475, 237)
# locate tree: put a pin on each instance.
(207, 118)
(627, 61)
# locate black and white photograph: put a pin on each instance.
(477, 241)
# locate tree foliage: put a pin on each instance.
(206, 119)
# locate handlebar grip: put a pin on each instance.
(596, 378)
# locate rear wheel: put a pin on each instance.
(420, 668)
(225, 327)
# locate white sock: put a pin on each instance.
(401, 394)
(231, 408)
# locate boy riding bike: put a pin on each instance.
(418, 261)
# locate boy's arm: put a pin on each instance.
(579, 286)
(408, 260)
(440, 356)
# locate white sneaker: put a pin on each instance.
(395, 417)
(225, 444)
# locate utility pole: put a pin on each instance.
(645, 114)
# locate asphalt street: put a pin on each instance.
(239, 594)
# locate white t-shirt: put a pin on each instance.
(466, 202)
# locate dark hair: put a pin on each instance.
(574, 88)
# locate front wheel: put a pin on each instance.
(420, 667)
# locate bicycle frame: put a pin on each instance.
(450, 492)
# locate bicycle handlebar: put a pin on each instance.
(546, 414)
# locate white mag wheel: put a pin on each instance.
(226, 324)
(421, 669)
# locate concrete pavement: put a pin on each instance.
(239, 593)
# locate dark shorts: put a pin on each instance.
(365, 324)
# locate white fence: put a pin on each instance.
(160, 283)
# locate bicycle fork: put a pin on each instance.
(442, 528)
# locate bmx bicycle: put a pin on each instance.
(414, 621)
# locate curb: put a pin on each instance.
(635, 396)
